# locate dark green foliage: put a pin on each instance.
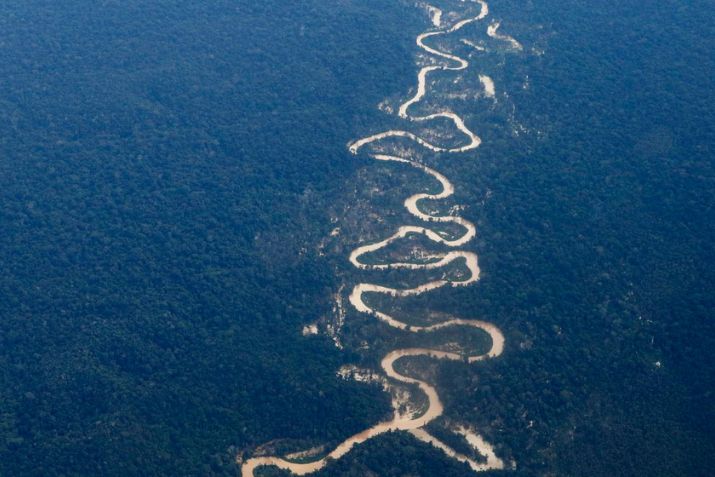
(164, 164)
(168, 168)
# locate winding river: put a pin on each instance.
(412, 422)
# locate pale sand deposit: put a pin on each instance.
(488, 84)
(493, 31)
(435, 15)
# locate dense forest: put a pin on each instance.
(171, 171)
